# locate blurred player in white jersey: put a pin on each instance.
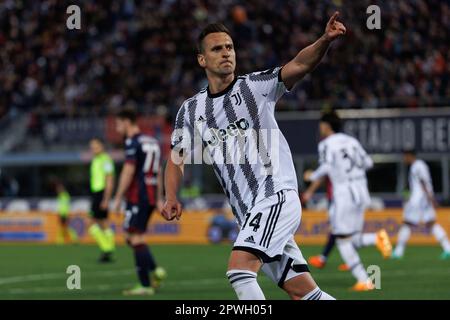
(228, 116)
(344, 161)
(420, 207)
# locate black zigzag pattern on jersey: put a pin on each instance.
(180, 118)
(212, 124)
(245, 167)
(192, 107)
(263, 76)
(179, 124)
(262, 150)
(192, 111)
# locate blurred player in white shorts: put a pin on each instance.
(420, 208)
(344, 161)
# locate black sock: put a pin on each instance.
(330, 244)
(144, 263)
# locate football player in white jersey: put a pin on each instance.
(420, 208)
(344, 161)
(228, 117)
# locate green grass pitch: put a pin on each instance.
(198, 272)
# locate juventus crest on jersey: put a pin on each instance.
(236, 132)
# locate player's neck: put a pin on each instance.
(132, 131)
(217, 84)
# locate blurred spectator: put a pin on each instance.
(141, 53)
(9, 187)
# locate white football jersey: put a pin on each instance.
(242, 140)
(343, 159)
(419, 171)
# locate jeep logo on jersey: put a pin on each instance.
(233, 129)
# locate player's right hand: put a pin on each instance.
(172, 209)
(307, 175)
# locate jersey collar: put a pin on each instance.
(224, 91)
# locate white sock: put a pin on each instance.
(351, 258)
(403, 236)
(440, 235)
(245, 285)
(364, 239)
(317, 294)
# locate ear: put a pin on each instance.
(201, 60)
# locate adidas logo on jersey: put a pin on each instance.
(201, 119)
(250, 239)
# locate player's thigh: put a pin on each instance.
(347, 217)
(243, 260)
(269, 225)
(411, 213)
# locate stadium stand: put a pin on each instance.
(140, 53)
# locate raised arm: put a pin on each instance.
(308, 58)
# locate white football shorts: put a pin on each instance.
(419, 211)
(268, 232)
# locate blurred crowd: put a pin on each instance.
(141, 53)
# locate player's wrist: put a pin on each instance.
(326, 38)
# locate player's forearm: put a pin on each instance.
(319, 173)
(160, 186)
(172, 179)
(126, 176)
(314, 186)
(305, 61)
(310, 56)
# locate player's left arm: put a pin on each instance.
(367, 161)
(322, 171)
(428, 193)
(126, 176)
(307, 195)
(109, 187)
(308, 58)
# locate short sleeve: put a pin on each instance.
(267, 84)
(323, 153)
(181, 134)
(130, 151)
(108, 166)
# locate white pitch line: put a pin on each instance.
(62, 275)
(107, 287)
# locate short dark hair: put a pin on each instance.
(210, 28)
(410, 151)
(332, 118)
(127, 114)
(99, 140)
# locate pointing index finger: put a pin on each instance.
(334, 17)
